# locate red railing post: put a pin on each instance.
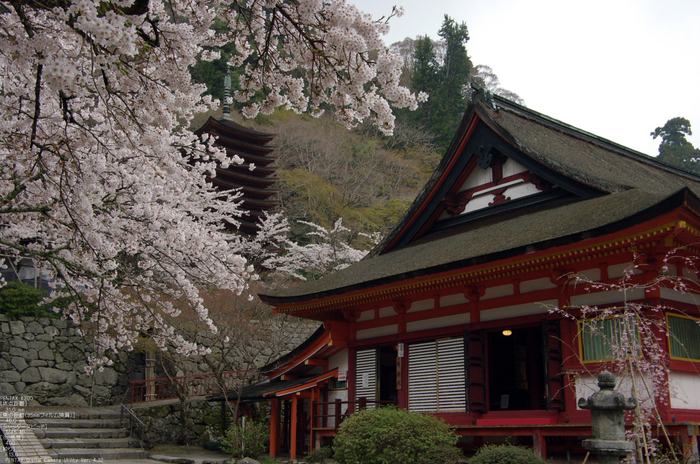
(338, 411)
(196, 385)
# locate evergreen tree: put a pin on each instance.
(446, 81)
(452, 95)
(457, 66)
(424, 78)
(675, 148)
(425, 66)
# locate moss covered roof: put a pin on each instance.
(633, 188)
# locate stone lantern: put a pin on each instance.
(608, 421)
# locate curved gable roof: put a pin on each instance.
(612, 187)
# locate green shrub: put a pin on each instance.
(394, 436)
(20, 299)
(319, 455)
(505, 454)
(212, 446)
(246, 442)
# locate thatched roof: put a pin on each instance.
(613, 187)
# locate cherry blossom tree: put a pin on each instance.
(629, 338)
(103, 185)
(329, 250)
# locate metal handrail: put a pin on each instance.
(133, 416)
(320, 419)
(198, 385)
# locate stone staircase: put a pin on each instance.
(84, 433)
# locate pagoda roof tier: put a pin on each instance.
(260, 204)
(264, 170)
(253, 214)
(246, 190)
(231, 130)
(241, 148)
(255, 187)
(250, 218)
(247, 179)
(259, 160)
(245, 226)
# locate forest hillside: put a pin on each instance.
(327, 172)
(367, 179)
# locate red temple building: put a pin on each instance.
(450, 314)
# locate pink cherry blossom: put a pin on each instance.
(103, 184)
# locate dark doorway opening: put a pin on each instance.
(387, 374)
(515, 375)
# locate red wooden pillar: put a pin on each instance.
(403, 371)
(690, 448)
(285, 437)
(338, 412)
(274, 427)
(351, 380)
(538, 444)
(653, 298)
(324, 409)
(569, 331)
(312, 406)
(293, 427)
(689, 442)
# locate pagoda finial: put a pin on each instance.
(227, 96)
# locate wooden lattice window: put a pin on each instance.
(366, 375)
(436, 376)
(684, 337)
(604, 339)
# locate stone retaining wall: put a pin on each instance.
(163, 422)
(45, 359)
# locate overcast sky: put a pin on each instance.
(616, 68)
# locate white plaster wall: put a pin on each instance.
(671, 270)
(421, 305)
(498, 292)
(386, 312)
(478, 202)
(612, 296)
(673, 295)
(437, 322)
(366, 316)
(478, 177)
(333, 395)
(452, 300)
(377, 332)
(339, 360)
(521, 190)
(685, 390)
(690, 274)
(535, 285)
(618, 270)
(510, 167)
(539, 307)
(586, 385)
(592, 275)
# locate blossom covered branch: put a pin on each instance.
(102, 183)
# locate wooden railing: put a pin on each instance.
(338, 411)
(193, 385)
